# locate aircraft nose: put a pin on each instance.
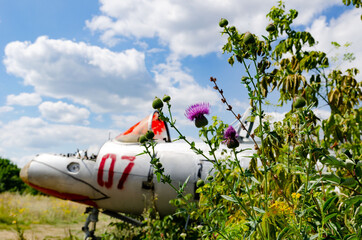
(24, 173)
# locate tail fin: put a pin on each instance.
(247, 121)
(151, 122)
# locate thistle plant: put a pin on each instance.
(304, 179)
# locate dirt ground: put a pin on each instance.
(50, 232)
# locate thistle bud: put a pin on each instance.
(157, 103)
(149, 135)
(142, 139)
(270, 27)
(200, 183)
(299, 102)
(223, 22)
(248, 38)
(166, 98)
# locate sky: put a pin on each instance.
(75, 72)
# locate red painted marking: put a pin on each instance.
(158, 126)
(126, 171)
(125, 174)
(130, 158)
(67, 196)
(131, 129)
(109, 183)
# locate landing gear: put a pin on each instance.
(92, 220)
(90, 224)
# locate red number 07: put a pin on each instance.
(126, 171)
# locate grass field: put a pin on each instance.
(40, 217)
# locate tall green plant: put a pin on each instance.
(304, 179)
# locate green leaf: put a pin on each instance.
(228, 198)
(350, 237)
(350, 182)
(331, 160)
(328, 204)
(184, 184)
(259, 210)
(158, 176)
(283, 233)
(352, 200)
(314, 236)
(331, 177)
(301, 214)
(326, 219)
(314, 183)
(254, 180)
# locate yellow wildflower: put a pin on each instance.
(296, 195)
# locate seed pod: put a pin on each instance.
(248, 38)
(142, 139)
(166, 98)
(149, 135)
(209, 178)
(157, 103)
(200, 183)
(299, 102)
(270, 27)
(223, 22)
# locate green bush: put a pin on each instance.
(10, 180)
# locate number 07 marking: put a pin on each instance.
(126, 171)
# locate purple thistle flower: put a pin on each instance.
(230, 133)
(196, 112)
(230, 137)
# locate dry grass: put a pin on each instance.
(29, 209)
(42, 217)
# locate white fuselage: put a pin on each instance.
(120, 179)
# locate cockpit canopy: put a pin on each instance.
(151, 122)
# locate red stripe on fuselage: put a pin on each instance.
(66, 196)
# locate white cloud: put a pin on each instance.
(123, 123)
(4, 109)
(309, 9)
(189, 28)
(34, 135)
(95, 77)
(181, 86)
(343, 29)
(101, 80)
(322, 114)
(24, 99)
(64, 113)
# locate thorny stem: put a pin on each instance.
(153, 156)
(229, 184)
(238, 117)
(247, 189)
(184, 138)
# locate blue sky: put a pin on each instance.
(71, 72)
